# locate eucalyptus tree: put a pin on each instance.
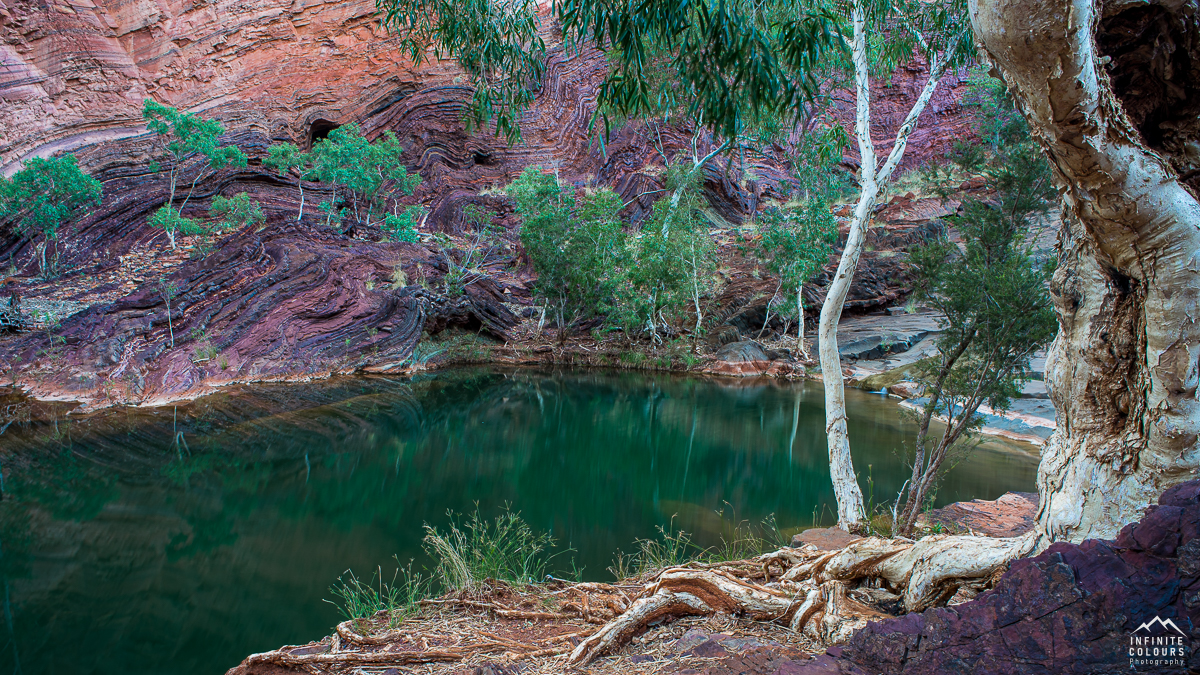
(576, 245)
(798, 239)
(184, 136)
(236, 212)
(991, 290)
(673, 255)
(368, 172)
(940, 33)
(43, 195)
(283, 158)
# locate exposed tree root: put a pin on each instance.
(338, 657)
(824, 595)
(568, 610)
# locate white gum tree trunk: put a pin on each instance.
(841, 467)
(1124, 370)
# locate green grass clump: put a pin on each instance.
(468, 556)
(675, 547)
(743, 540)
(479, 550)
(400, 597)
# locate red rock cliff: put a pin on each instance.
(291, 299)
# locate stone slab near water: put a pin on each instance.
(1012, 515)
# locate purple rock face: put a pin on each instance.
(1073, 609)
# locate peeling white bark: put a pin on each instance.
(1124, 370)
(841, 466)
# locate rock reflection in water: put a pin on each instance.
(180, 539)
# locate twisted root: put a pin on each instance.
(825, 596)
(813, 594)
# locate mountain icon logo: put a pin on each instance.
(1165, 623)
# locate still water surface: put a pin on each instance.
(125, 551)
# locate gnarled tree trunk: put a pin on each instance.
(1112, 93)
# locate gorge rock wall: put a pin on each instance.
(74, 77)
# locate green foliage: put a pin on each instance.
(1000, 125)
(184, 135)
(168, 290)
(497, 44)
(993, 293)
(403, 226)
(674, 547)
(575, 242)
(169, 218)
(726, 57)
(234, 213)
(797, 240)
(400, 597)
(896, 29)
(367, 172)
(43, 195)
(796, 244)
(466, 263)
(587, 267)
(478, 550)
(334, 215)
(725, 60)
(674, 257)
(283, 158)
(743, 540)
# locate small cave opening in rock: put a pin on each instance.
(320, 129)
(483, 158)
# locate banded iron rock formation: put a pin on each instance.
(293, 299)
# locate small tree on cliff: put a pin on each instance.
(673, 256)
(236, 212)
(283, 158)
(184, 136)
(367, 172)
(43, 195)
(797, 244)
